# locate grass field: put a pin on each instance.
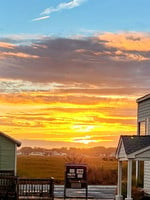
(45, 167)
(40, 167)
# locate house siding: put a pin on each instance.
(144, 115)
(147, 176)
(122, 153)
(143, 155)
(7, 154)
(143, 110)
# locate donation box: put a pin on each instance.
(76, 177)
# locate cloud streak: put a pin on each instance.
(7, 45)
(17, 54)
(40, 18)
(63, 6)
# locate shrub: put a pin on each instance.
(102, 176)
(137, 193)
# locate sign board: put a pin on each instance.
(76, 176)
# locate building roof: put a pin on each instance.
(135, 143)
(143, 98)
(11, 139)
(133, 146)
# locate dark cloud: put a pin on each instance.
(82, 60)
(133, 38)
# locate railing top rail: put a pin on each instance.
(35, 179)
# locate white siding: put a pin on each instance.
(148, 126)
(143, 110)
(147, 176)
(143, 155)
(122, 153)
(144, 115)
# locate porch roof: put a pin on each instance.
(133, 146)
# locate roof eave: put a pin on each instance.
(18, 143)
(118, 147)
(143, 98)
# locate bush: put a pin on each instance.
(137, 193)
(102, 176)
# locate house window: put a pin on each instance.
(142, 126)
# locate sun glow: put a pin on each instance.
(82, 128)
(66, 120)
(84, 140)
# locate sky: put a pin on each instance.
(71, 70)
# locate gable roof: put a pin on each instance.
(135, 143)
(132, 144)
(11, 139)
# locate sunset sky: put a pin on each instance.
(71, 70)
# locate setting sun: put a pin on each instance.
(84, 140)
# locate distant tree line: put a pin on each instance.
(99, 151)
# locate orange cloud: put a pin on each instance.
(124, 56)
(78, 90)
(39, 116)
(7, 45)
(127, 41)
(17, 54)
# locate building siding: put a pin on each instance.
(122, 153)
(144, 110)
(7, 154)
(147, 176)
(144, 115)
(143, 155)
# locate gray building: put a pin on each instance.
(143, 121)
(143, 115)
(136, 147)
(8, 155)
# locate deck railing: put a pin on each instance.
(14, 188)
(39, 188)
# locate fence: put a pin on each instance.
(39, 188)
(14, 188)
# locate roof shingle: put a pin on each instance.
(135, 143)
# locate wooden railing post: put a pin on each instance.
(17, 188)
(52, 188)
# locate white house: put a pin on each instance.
(136, 147)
